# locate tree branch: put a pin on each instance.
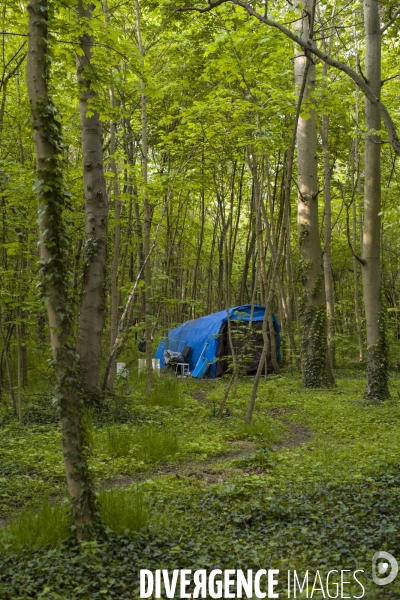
(360, 69)
(389, 78)
(311, 47)
(210, 6)
(360, 260)
(391, 21)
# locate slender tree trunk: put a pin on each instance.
(115, 296)
(128, 239)
(19, 370)
(329, 292)
(2, 108)
(3, 86)
(377, 362)
(201, 236)
(330, 306)
(20, 142)
(131, 159)
(147, 208)
(199, 248)
(91, 319)
(250, 242)
(121, 336)
(268, 290)
(355, 193)
(210, 268)
(9, 369)
(274, 354)
(53, 243)
(316, 368)
(262, 363)
(78, 250)
(291, 288)
(24, 357)
(228, 251)
(221, 256)
(269, 287)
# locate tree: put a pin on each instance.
(377, 369)
(214, 86)
(316, 367)
(51, 193)
(310, 46)
(146, 204)
(91, 319)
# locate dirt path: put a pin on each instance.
(212, 470)
(215, 469)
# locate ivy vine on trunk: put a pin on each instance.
(52, 196)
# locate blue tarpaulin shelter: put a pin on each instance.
(207, 330)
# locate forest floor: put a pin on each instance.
(313, 483)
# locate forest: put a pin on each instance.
(162, 163)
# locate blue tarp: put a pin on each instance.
(198, 332)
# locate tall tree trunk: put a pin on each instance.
(53, 242)
(115, 296)
(330, 306)
(211, 262)
(9, 369)
(316, 368)
(201, 236)
(356, 193)
(221, 256)
(377, 363)
(19, 372)
(291, 288)
(272, 237)
(91, 319)
(24, 356)
(146, 205)
(329, 291)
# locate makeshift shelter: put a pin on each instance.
(209, 340)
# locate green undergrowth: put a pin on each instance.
(144, 443)
(236, 525)
(312, 483)
(35, 528)
(124, 509)
(166, 391)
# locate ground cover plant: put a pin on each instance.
(217, 180)
(313, 484)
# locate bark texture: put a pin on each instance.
(377, 367)
(91, 319)
(48, 144)
(330, 305)
(356, 191)
(316, 368)
(115, 296)
(147, 209)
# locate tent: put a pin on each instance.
(209, 340)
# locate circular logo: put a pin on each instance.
(382, 568)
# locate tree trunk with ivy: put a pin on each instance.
(316, 368)
(91, 319)
(48, 145)
(377, 363)
(329, 290)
